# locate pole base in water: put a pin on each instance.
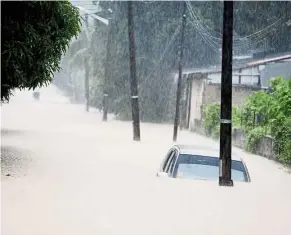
(225, 182)
(136, 138)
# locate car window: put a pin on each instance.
(172, 163)
(204, 167)
(166, 161)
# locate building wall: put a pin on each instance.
(204, 92)
(206, 88)
(250, 77)
(198, 86)
(265, 146)
(273, 70)
(212, 94)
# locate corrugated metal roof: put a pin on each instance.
(269, 60)
(217, 69)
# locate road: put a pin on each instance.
(66, 172)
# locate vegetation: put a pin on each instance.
(263, 113)
(274, 108)
(157, 26)
(211, 118)
(33, 40)
(253, 138)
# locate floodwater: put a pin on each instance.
(66, 172)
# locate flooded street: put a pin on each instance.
(73, 174)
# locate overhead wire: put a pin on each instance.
(245, 42)
(260, 32)
(164, 52)
(205, 35)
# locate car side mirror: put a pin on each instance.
(162, 174)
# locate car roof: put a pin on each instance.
(198, 150)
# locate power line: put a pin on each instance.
(239, 42)
(165, 51)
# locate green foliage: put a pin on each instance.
(285, 152)
(253, 138)
(257, 15)
(236, 117)
(157, 30)
(275, 108)
(157, 35)
(283, 141)
(211, 118)
(34, 39)
(256, 104)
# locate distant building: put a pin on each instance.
(203, 86)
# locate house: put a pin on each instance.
(203, 86)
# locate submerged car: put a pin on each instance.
(193, 163)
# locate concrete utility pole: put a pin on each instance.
(226, 97)
(107, 69)
(177, 112)
(133, 79)
(86, 73)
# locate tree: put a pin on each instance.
(33, 41)
(275, 109)
(155, 58)
(260, 25)
(89, 44)
(157, 51)
(271, 30)
(156, 31)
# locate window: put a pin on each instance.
(204, 167)
(172, 163)
(166, 161)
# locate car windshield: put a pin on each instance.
(205, 167)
